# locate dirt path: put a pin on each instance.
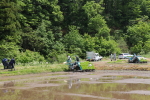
(123, 65)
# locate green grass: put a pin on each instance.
(146, 55)
(118, 61)
(32, 69)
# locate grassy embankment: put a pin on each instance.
(32, 69)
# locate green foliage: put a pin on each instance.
(73, 41)
(145, 55)
(9, 24)
(8, 49)
(137, 48)
(56, 27)
(145, 7)
(146, 47)
(92, 9)
(138, 37)
(29, 56)
(46, 37)
(107, 47)
(98, 25)
(93, 12)
(118, 12)
(62, 58)
(122, 44)
(89, 43)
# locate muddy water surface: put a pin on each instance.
(99, 85)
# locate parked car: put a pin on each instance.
(124, 56)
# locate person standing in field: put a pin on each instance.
(69, 62)
(12, 63)
(69, 59)
(77, 59)
(111, 57)
(5, 63)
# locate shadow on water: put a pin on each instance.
(73, 88)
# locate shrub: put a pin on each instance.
(29, 56)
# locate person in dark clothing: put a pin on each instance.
(77, 63)
(12, 63)
(77, 59)
(5, 63)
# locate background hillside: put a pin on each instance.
(51, 29)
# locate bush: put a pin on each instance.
(29, 56)
(62, 58)
(8, 49)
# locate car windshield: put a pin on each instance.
(126, 54)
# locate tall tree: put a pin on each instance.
(119, 12)
(139, 37)
(9, 24)
(73, 41)
(40, 19)
(145, 7)
(93, 12)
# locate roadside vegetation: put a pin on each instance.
(22, 69)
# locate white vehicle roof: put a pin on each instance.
(125, 54)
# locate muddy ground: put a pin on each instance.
(124, 64)
(98, 85)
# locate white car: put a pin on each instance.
(124, 56)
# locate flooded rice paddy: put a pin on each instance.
(98, 85)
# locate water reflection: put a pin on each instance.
(91, 88)
(71, 81)
(8, 90)
(7, 85)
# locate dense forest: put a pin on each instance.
(49, 29)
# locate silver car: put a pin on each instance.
(124, 56)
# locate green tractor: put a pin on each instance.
(137, 59)
(81, 66)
